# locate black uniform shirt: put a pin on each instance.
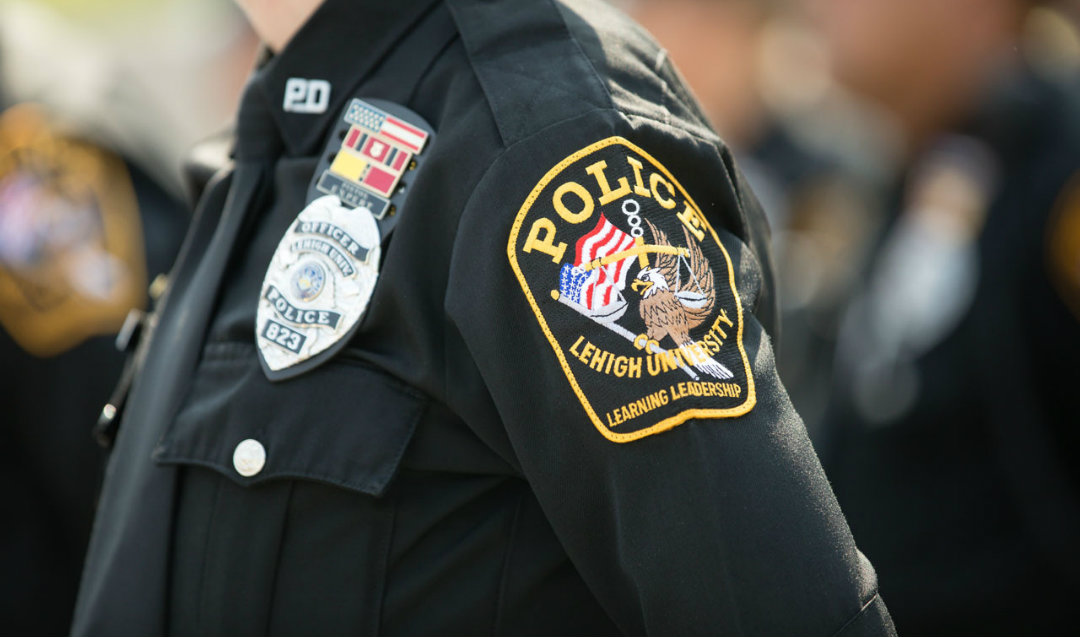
(560, 412)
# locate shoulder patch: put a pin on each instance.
(1063, 244)
(635, 292)
(71, 246)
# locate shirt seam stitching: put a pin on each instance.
(862, 611)
(577, 44)
(504, 579)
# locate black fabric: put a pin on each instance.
(268, 573)
(508, 512)
(203, 258)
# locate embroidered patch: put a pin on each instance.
(635, 292)
(317, 286)
(71, 248)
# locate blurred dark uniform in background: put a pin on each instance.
(83, 230)
(955, 448)
(495, 449)
(936, 276)
(952, 434)
(760, 73)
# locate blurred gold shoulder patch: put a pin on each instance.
(72, 262)
(1063, 244)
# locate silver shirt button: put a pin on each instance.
(249, 458)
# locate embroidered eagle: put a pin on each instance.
(673, 304)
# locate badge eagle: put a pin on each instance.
(673, 304)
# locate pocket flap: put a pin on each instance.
(343, 423)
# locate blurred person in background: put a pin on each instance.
(90, 214)
(761, 75)
(952, 440)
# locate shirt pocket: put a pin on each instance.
(344, 423)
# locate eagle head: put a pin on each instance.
(649, 281)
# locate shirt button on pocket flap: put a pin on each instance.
(249, 457)
(345, 423)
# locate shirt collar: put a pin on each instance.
(339, 45)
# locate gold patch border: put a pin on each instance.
(683, 416)
(75, 320)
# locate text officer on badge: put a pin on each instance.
(471, 335)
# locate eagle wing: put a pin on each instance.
(664, 316)
(698, 294)
(667, 264)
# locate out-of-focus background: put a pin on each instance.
(919, 162)
(99, 102)
(153, 76)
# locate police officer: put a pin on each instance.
(471, 335)
(953, 448)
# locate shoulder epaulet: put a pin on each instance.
(548, 62)
(530, 67)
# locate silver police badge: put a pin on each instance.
(317, 287)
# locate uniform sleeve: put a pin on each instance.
(603, 285)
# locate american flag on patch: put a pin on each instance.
(599, 286)
(398, 131)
